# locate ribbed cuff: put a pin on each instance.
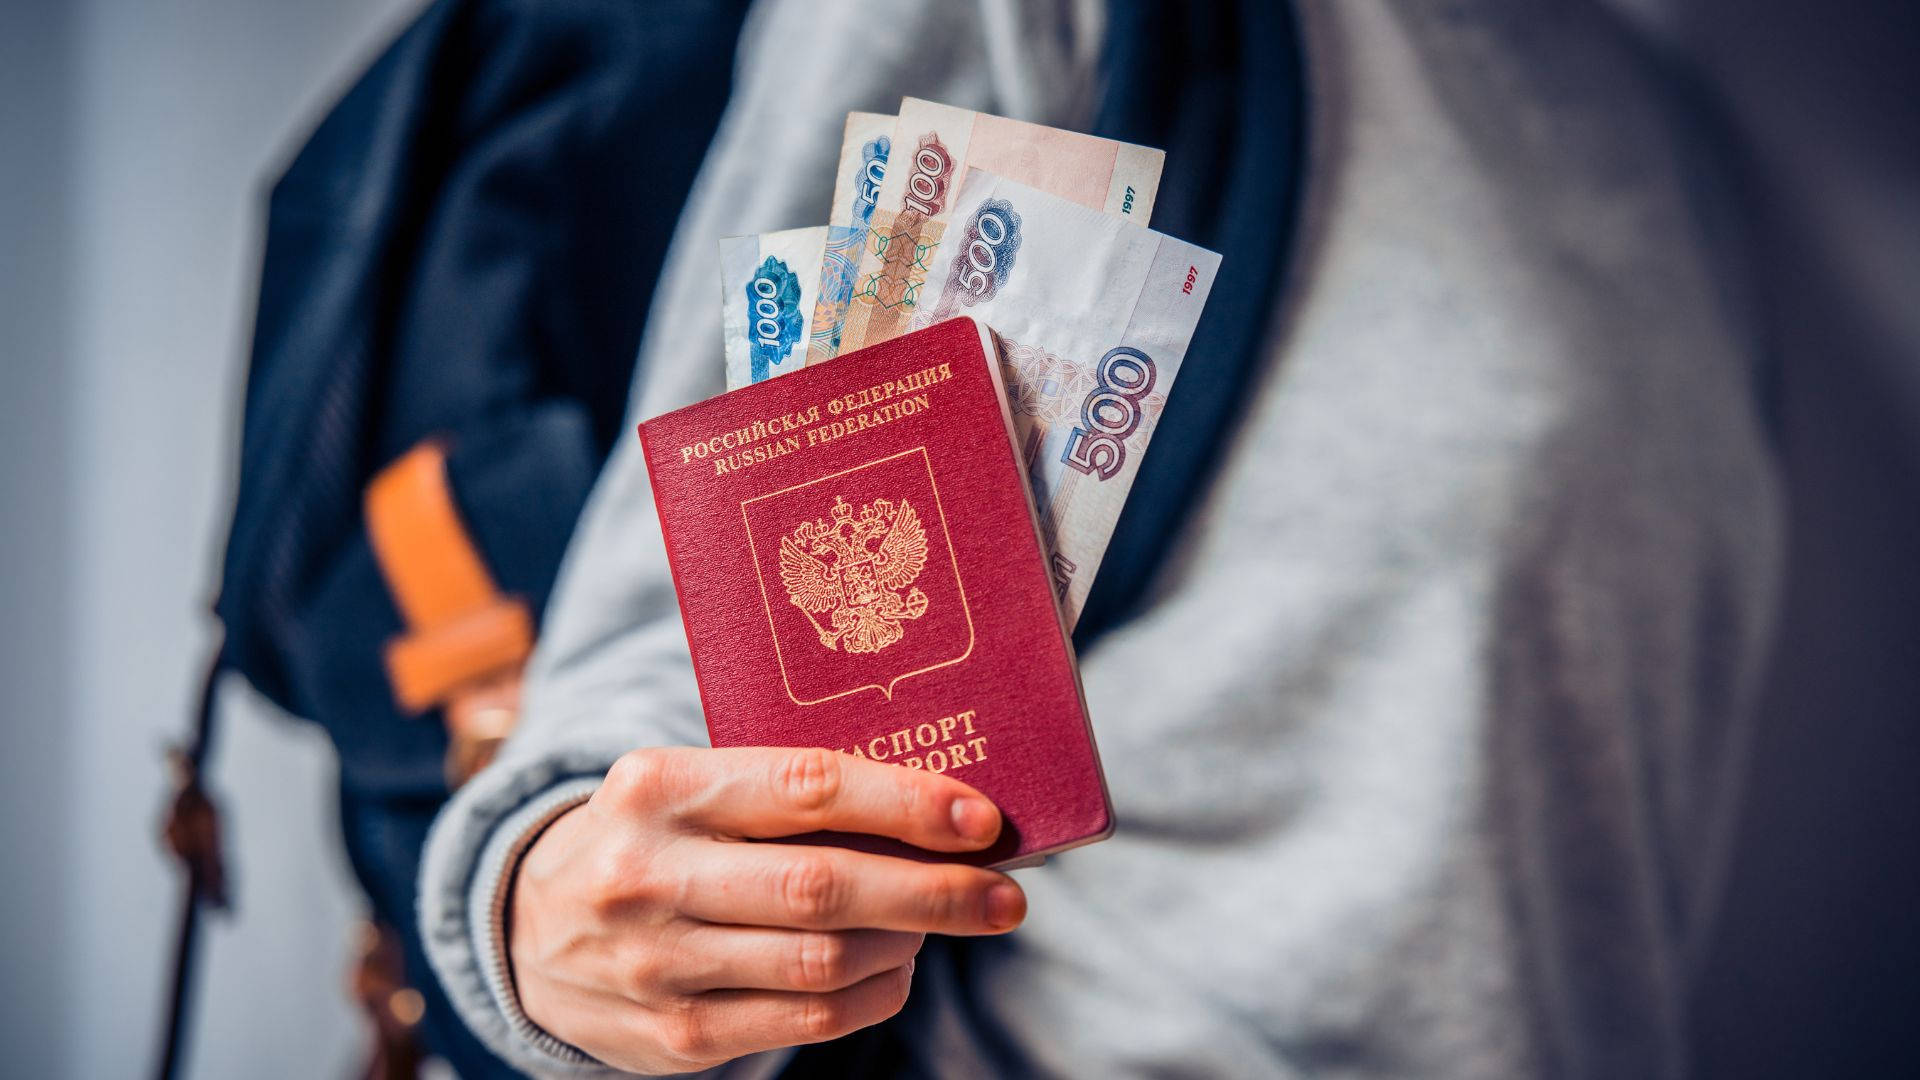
(487, 909)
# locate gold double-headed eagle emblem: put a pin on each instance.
(853, 570)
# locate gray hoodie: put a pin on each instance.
(1425, 749)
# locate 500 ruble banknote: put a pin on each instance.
(1093, 316)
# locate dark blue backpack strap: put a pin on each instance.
(1221, 88)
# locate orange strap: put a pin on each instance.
(460, 626)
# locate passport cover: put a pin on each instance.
(858, 566)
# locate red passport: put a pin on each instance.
(858, 567)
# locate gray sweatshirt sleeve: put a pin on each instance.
(612, 672)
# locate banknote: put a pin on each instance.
(769, 285)
(932, 148)
(1093, 315)
(865, 145)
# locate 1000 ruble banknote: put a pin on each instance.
(1093, 316)
(769, 284)
(785, 293)
(932, 147)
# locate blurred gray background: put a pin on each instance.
(136, 137)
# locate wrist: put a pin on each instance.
(525, 888)
(489, 907)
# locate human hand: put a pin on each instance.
(479, 716)
(645, 933)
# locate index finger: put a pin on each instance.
(762, 792)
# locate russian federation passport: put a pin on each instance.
(858, 566)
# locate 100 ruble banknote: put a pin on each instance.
(932, 147)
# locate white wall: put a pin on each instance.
(138, 137)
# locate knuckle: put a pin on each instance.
(820, 962)
(821, 1017)
(683, 1034)
(810, 779)
(913, 800)
(898, 987)
(810, 887)
(951, 897)
(609, 882)
(647, 973)
(636, 776)
(622, 876)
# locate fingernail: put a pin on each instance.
(975, 820)
(1005, 906)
